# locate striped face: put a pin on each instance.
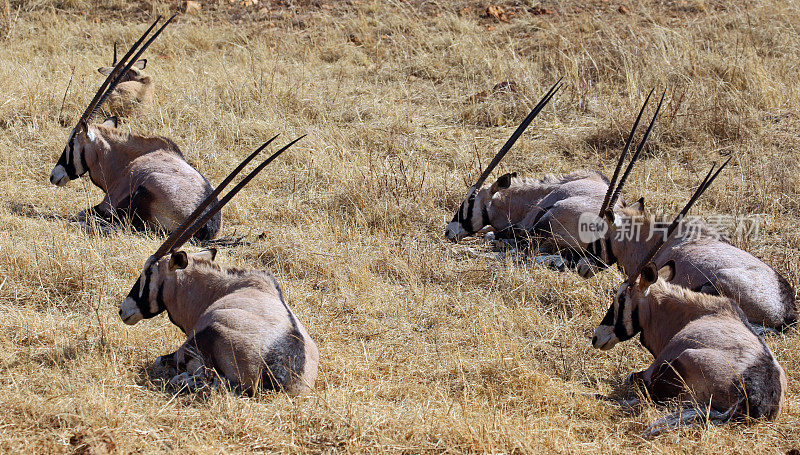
(621, 321)
(471, 216)
(72, 163)
(146, 298)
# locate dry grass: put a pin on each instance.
(423, 349)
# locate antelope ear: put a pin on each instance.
(504, 181)
(638, 205)
(82, 131)
(208, 254)
(649, 275)
(106, 70)
(667, 272)
(178, 261)
(140, 64)
(111, 121)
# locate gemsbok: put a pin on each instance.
(146, 179)
(237, 324)
(707, 355)
(550, 210)
(477, 211)
(134, 90)
(703, 259)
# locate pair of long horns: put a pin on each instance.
(198, 219)
(615, 189)
(520, 129)
(712, 174)
(120, 69)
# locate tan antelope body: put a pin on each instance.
(146, 179)
(706, 352)
(509, 200)
(548, 208)
(237, 323)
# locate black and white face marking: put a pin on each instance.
(620, 323)
(71, 164)
(469, 219)
(146, 298)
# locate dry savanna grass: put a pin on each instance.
(423, 347)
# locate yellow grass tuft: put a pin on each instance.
(423, 348)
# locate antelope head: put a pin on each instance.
(471, 215)
(621, 321)
(133, 74)
(72, 163)
(146, 298)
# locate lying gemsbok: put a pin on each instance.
(548, 209)
(706, 353)
(489, 206)
(134, 90)
(703, 260)
(237, 323)
(146, 179)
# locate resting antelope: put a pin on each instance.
(703, 260)
(146, 179)
(236, 321)
(550, 208)
(706, 353)
(134, 89)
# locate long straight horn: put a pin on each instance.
(173, 237)
(116, 71)
(115, 54)
(127, 67)
(612, 184)
(520, 129)
(187, 234)
(635, 156)
(710, 177)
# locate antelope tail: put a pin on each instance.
(686, 417)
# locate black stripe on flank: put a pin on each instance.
(763, 389)
(286, 361)
(787, 300)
